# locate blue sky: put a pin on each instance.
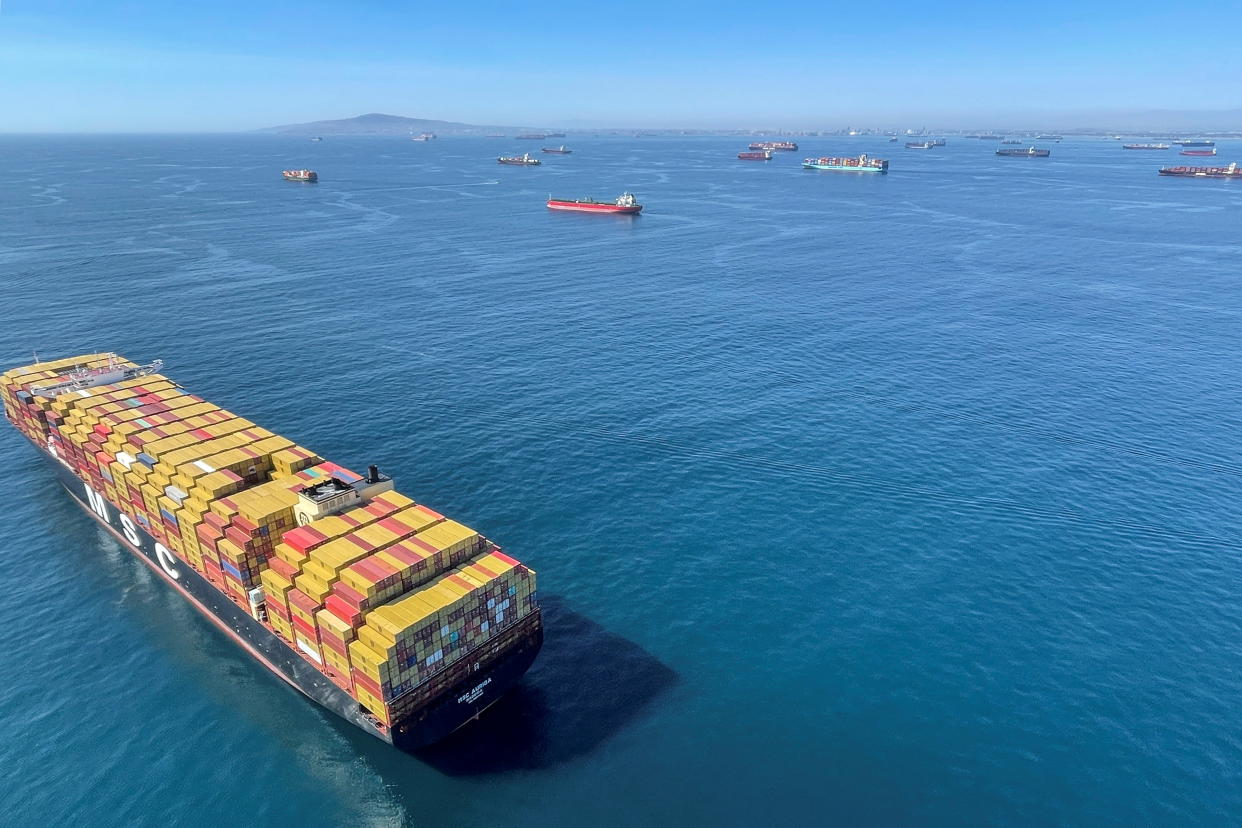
(139, 65)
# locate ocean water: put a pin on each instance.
(905, 499)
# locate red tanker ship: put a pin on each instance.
(625, 203)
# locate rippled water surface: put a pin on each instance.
(857, 499)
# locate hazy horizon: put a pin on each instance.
(142, 66)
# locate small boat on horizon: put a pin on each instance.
(300, 175)
(624, 204)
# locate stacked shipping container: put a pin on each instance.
(383, 597)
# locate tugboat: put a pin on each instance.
(300, 175)
(862, 163)
(557, 150)
(759, 155)
(624, 204)
(1145, 146)
(523, 160)
(1231, 172)
(1030, 152)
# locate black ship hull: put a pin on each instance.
(484, 681)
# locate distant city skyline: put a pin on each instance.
(72, 66)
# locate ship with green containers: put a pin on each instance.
(863, 163)
(401, 621)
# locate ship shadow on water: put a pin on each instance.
(585, 686)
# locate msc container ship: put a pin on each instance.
(403, 622)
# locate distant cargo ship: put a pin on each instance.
(523, 160)
(557, 150)
(778, 146)
(532, 136)
(756, 155)
(862, 163)
(1048, 138)
(1195, 143)
(625, 204)
(300, 175)
(554, 135)
(423, 136)
(1007, 141)
(919, 145)
(1208, 152)
(316, 139)
(1145, 146)
(1029, 152)
(938, 142)
(1231, 172)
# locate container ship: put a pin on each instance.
(862, 163)
(756, 155)
(523, 160)
(1145, 146)
(300, 175)
(624, 204)
(402, 622)
(1029, 152)
(1206, 152)
(1231, 172)
(777, 146)
(557, 150)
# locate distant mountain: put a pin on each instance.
(377, 123)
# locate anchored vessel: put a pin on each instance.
(624, 203)
(1145, 146)
(1231, 171)
(919, 145)
(1207, 152)
(403, 622)
(523, 160)
(756, 155)
(1195, 143)
(423, 136)
(300, 175)
(557, 150)
(862, 163)
(1029, 152)
(779, 146)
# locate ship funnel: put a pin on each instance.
(373, 475)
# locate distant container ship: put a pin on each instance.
(1195, 143)
(756, 155)
(1145, 146)
(862, 163)
(624, 204)
(919, 145)
(403, 622)
(523, 160)
(777, 146)
(1207, 152)
(1231, 172)
(557, 150)
(1007, 141)
(1029, 152)
(300, 175)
